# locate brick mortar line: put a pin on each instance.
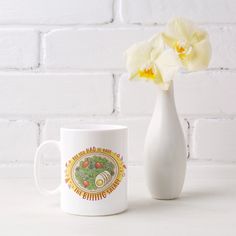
(188, 138)
(110, 23)
(40, 131)
(41, 122)
(192, 129)
(114, 12)
(116, 107)
(209, 116)
(41, 51)
(115, 25)
(42, 118)
(42, 70)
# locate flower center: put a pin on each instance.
(150, 72)
(182, 49)
(147, 73)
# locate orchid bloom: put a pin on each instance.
(148, 60)
(190, 44)
(182, 45)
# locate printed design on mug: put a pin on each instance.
(95, 173)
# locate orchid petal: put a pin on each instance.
(168, 64)
(137, 55)
(200, 56)
(180, 28)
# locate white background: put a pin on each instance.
(62, 62)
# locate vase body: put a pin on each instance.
(165, 149)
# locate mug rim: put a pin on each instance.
(94, 128)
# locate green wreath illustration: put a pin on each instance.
(94, 172)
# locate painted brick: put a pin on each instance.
(45, 12)
(136, 97)
(19, 48)
(223, 46)
(214, 139)
(104, 48)
(137, 132)
(18, 140)
(158, 11)
(206, 93)
(199, 93)
(91, 48)
(55, 94)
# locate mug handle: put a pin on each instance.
(37, 163)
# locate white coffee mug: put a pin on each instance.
(93, 169)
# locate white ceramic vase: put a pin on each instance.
(165, 150)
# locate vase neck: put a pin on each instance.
(166, 94)
(165, 101)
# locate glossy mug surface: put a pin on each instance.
(93, 169)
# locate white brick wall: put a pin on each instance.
(57, 12)
(62, 62)
(55, 94)
(207, 93)
(136, 98)
(214, 139)
(19, 49)
(18, 140)
(223, 46)
(137, 131)
(159, 11)
(90, 48)
(101, 49)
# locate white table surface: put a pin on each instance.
(207, 207)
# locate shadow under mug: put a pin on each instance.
(93, 169)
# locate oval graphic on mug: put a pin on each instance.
(94, 173)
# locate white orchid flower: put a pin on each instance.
(190, 43)
(149, 60)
